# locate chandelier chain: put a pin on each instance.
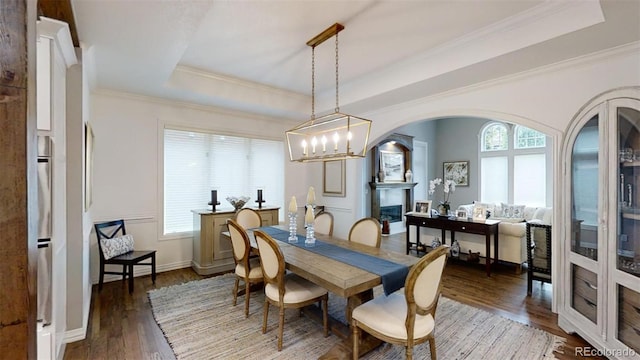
(337, 109)
(313, 82)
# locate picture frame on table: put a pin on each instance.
(457, 171)
(479, 212)
(461, 214)
(422, 207)
(392, 166)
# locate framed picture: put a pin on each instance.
(479, 212)
(334, 178)
(458, 171)
(392, 166)
(461, 214)
(423, 207)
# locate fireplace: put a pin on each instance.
(392, 213)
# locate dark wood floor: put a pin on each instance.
(121, 326)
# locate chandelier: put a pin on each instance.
(330, 137)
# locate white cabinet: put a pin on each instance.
(601, 260)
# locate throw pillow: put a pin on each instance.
(512, 211)
(116, 246)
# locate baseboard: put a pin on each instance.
(75, 335)
(146, 270)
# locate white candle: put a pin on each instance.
(336, 137)
(308, 218)
(314, 142)
(311, 196)
(293, 205)
(304, 147)
(324, 143)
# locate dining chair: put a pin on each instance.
(285, 290)
(248, 218)
(366, 231)
(405, 319)
(116, 247)
(323, 223)
(247, 269)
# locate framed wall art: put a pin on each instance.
(458, 171)
(334, 178)
(392, 166)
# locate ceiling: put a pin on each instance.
(252, 55)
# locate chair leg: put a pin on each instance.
(356, 337)
(153, 268)
(124, 272)
(130, 278)
(432, 347)
(235, 291)
(247, 294)
(529, 284)
(409, 352)
(101, 277)
(281, 327)
(325, 315)
(265, 315)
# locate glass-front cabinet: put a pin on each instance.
(601, 266)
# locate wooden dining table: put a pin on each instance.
(343, 279)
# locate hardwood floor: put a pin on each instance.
(121, 326)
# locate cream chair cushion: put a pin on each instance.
(254, 273)
(387, 315)
(248, 218)
(296, 290)
(323, 224)
(366, 231)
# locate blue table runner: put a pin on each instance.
(392, 274)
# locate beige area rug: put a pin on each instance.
(199, 322)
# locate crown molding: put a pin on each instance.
(577, 62)
(192, 106)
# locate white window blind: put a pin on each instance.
(494, 179)
(529, 180)
(195, 163)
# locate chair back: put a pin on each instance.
(108, 230)
(248, 218)
(366, 231)
(424, 282)
(323, 224)
(239, 242)
(271, 259)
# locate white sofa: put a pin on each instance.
(511, 233)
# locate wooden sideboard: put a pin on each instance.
(212, 254)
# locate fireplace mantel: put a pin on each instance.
(392, 185)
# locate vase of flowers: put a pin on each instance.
(448, 186)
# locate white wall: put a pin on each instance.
(127, 165)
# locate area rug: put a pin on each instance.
(199, 322)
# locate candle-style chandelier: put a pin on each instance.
(333, 136)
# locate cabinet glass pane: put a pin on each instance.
(584, 190)
(628, 242)
(585, 292)
(629, 317)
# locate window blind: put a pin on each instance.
(197, 162)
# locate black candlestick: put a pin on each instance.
(214, 200)
(260, 200)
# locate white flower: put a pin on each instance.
(448, 186)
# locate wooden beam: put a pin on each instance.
(327, 34)
(60, 10)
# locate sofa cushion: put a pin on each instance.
(544, 215)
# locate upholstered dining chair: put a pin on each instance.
(285, 290)
(366, 231)
(248, 218)
(116, 247)
(247, 269)
(405, 319)
(323, 223)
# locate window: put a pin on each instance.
(513, 171)
(197, 162)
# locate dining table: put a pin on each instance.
(341, 277)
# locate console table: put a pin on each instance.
(486, 228)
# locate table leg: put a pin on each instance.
(366, 342)
(488, 253)
(444, 237)
(453, 237)
(495, 245)
(408, 236)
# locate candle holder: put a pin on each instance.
(214, 200)
(310, 239)
(293, 228)
(260, 199)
